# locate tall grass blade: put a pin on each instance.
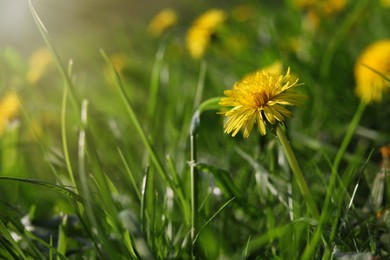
(45, 35)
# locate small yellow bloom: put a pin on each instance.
(369, 85)
(260, 98)
(322, 8)
(38, 63)
(198, 36)
(119, 61)
(162, 21)
(385, 3)
(9, 108)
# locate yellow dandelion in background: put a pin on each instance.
(260, 98)
(322, 8)
(165, 19)
(38, 63)
(331, 7)
(369, 85)
(385, 3)
(198, 36)
(119, 61)
(9, 108)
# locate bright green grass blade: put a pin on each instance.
(129, 244)
(144, 192)
(213, 216)
(200, 85)
(65, 140)
(14, 249)
(155, 80)
(58, 188)
(62, 237)
(129, 173)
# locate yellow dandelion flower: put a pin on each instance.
(198, 36)
(119, 61)
(260, 98)
(322, 8)
(385, 3)
(369, 85)
(331, 7)
(9, 108)
(38, 63)
(165, 19)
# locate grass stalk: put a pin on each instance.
(194, 195)
(334, 174)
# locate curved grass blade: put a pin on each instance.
(212, 217)
(58, 188)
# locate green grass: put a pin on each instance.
(134, 164)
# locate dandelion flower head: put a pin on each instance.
(260, 98)
(369, 85)
(38, 64)
(165, 19)
(9, 108)
(198, 36)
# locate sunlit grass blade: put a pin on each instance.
(62, 236)
(65, 140)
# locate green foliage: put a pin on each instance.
(109, 171)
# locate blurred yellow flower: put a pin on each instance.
(9, 108)
(198, 36)
(38, 63)
(331, 7)
(260, 98)
(119, 61)
(322, 8)
(369, 85)
(165, 19)
(385, 3)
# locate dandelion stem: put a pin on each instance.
(297, 171)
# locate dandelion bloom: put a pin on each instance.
(9, 108)
(198, 36)
(369, 85)
(38, 64)
(260, 98)
(165, 19)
